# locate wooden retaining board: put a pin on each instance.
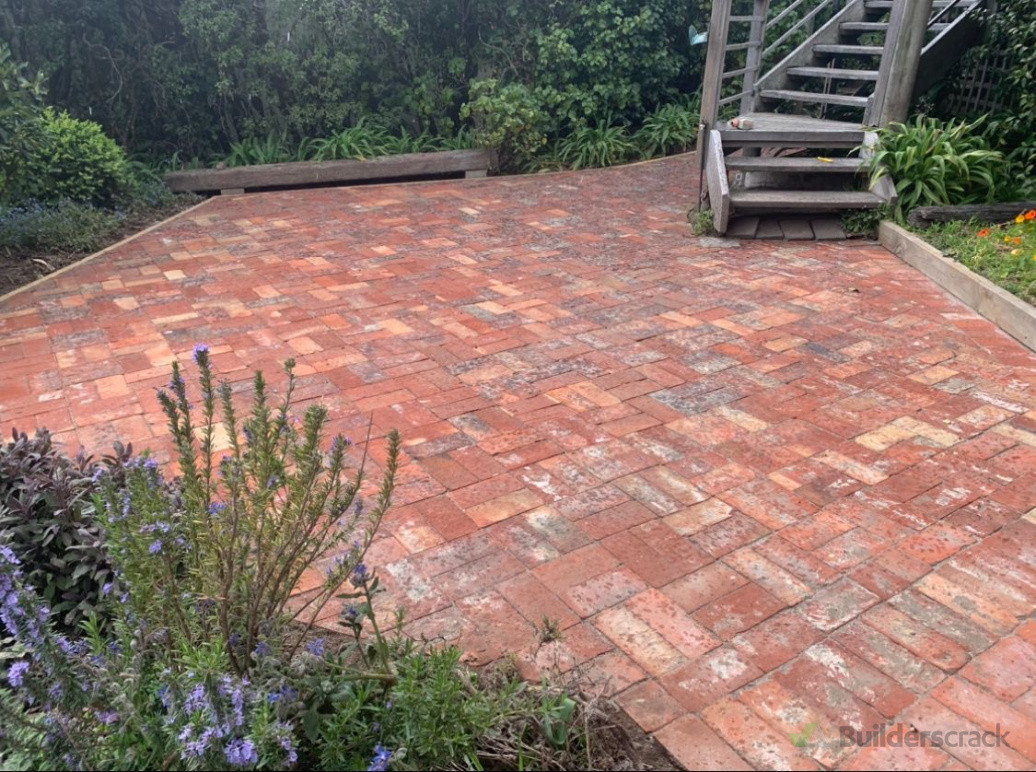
(473, 163)
(1011, 314)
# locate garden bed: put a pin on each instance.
(22, 265)
(1009, 312)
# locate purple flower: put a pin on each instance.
(382, 757)
(241, 753)
(16, 675)
(107, 717)
(317, 647)
(156, 547)
(216, 508)
(262, 649)
(360, 575)
(285, 693)
(106, 588)
(196, 700)
(98, 474)
(200, 351)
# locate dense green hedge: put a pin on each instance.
(195, 76)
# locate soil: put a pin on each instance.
(18, 268)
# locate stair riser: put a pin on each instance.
(825, 169)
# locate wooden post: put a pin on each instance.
(753, 59)
(908, 26)
(712, 80)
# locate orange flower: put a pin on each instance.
(1031, 214)
(983, 233)
(1017, 239)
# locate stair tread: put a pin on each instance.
(759, 200)
(812, 96)
(833, 72)
(863, 26)
(781, 122)
(804, 164)
(886, 5)
(777, 130)
(838, 48)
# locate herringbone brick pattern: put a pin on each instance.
(758, 486)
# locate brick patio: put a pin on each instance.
(759, 486)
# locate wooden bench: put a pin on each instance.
(472, 163)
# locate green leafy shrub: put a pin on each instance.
(672, 128)
(863, 222)
(250, 151)
(593, 146)
(936, 163)
(21, 115)
(1011, 37)
(62, 227)
(508, 119)
(143, 187)
(357, 142)
(47, 518)
(75, 161)
(608, 57)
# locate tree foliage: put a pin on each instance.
(21, 107)
(196, 76)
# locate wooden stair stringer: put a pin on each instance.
(944, 51)
(883, 187)
(718, 185)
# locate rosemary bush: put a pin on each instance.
(219, 558)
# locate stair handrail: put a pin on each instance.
(806, 18)
(935, 19)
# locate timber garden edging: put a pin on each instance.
(238, 179)
(1008, 312)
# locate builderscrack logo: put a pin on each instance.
(899, 736)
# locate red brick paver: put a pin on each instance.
(759, 486)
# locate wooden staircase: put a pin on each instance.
(811, 106)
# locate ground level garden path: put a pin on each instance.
(755, 486)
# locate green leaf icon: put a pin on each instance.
(801, 739)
